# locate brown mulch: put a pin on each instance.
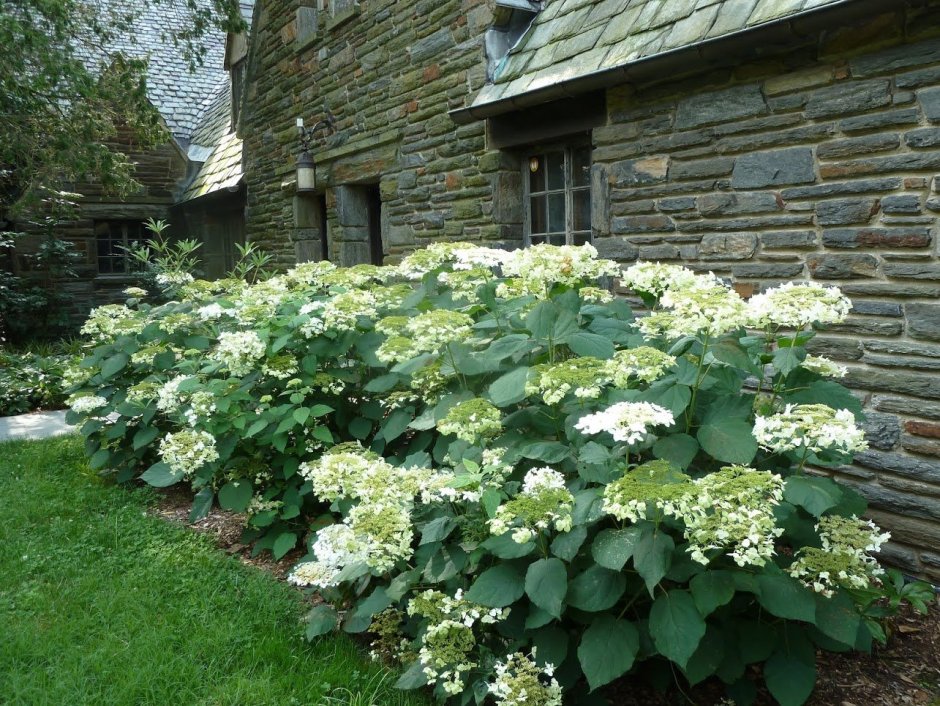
(906, 672)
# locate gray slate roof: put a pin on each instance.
(178, 93)
(571, 39)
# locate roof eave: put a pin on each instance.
(798, 26)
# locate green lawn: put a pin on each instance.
(102, 604)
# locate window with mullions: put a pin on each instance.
(112, 239)
(558, 196)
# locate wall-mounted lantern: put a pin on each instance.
(306, 164)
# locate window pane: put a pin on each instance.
(537, 223)
(536, 240)
(557, 239)
(556, 213)
(556, 170)
(582, 209)
(581, 166)
(536, 177)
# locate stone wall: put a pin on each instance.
(819, 165)
(161, 172)
(388, 72)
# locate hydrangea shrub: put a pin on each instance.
(520, 490)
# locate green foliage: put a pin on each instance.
(452, 452)
(30, 381)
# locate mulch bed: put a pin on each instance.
(906, 672)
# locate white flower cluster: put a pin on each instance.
(136, 292)
(793, 305)
(582, 377)
(656, 278)
(544, 502)
(86, 404)
(844, 558)
(105, 323)
(643, 363)
(342, 312)
(201, 407)
(472, 421)
(309, 274)
(730, 509)
(187, 451)
(238, 351)
(313, 325)
(430, 258)
(627, 422)
(335, 547)
(734, 508)
(211, 312)
(534, 270)
(825, 367)
(812, 427)
(171, 280)
(449, 639)
(169, 397)
(703, 307)
(520, 682)
(429, 332)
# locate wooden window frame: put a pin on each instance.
(107, 229)
(540, 151)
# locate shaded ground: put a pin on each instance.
(904, 673)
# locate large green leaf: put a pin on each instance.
(566, 545)
(728, 440)
(235, 495)
(707, 657)
(788, 358)
(676, 626)
(546, 583)
(395, 425)
(113, 365)
(678, 449)
(612, 548)
(608, 649)
(509, 389)
(652, 555)
(591, 344)
(670, 395)
(790, 673)
(144, 436)
(541, 320)
(321, 620)
(202, 503)
(838, 618)
(711, 590)
(497, 587)
(786, 597)
(813, 493)
(160, 475)
(596, 589)
(284, 543)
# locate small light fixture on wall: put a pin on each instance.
(306, 164)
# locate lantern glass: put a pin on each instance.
(306, 173)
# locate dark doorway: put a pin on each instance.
(374, 201)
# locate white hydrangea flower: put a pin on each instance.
(813, 427)
(211, 312)
(520, 682)
(703, 307)
(657, 278)
(238, 351)
(643, 363)
(534, 270)
(136, 292)
(86, 404)
(342, 312)
(825, 367)
(798, 305)
(543, 503)
(627, 422)
(843, 560)
(187, 451)
(169, 397)
(169, 280)
(107, 322)
(335, 547)
(430, 258)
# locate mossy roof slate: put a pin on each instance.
(572, 39)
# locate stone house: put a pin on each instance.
(193, 180)
(764, 140)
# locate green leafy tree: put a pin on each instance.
(64, 92)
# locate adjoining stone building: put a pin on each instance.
(763, 140)
(193, 180)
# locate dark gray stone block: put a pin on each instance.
(883, 431)
(794, 165)
(904, 203)
(923, 320)
(842, 266)
(844, 211)
(720, 106)
(847, 97)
